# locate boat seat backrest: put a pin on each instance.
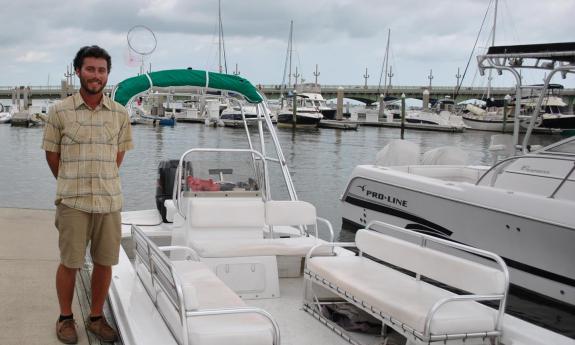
(225, 217)
(226, 212)
(445, 268)
(289, 212)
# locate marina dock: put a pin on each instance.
(29, 258)
(338, 124)
(420, 126)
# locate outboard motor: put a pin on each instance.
(165, 185)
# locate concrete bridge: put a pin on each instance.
(360, 93)
(371, 94)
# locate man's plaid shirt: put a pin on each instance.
(88, 142)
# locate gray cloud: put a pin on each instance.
(342, 36)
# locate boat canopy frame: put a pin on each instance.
(126, 90)
(552, 57)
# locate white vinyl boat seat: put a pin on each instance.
(290, 246)
(244, 222)
(421, 311)
(196, 305)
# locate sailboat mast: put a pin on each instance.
(219, 36)
(221, 43)
(386, 61)
(492, 44)
(290, 49)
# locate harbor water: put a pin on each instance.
(320, 162)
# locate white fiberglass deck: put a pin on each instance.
(137, 312)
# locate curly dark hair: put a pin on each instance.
(91, 51)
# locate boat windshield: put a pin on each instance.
(564, 147)
(229, 172)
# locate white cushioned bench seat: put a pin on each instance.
(407, 299)
(202, 289)
(293, 246)
(376, 282)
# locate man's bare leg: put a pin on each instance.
(65, 282)
(101, 278)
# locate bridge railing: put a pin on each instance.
(44, 87)
(330, 88)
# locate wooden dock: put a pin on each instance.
(338, 124)
(29, 258)
(418, 126)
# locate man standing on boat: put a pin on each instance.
(85, 139)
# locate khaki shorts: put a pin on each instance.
(78, 228)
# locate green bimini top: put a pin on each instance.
(128, 88)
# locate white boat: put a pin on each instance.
(443, 114)
(551, 116)
(5, 114)
(521, 208)
(552, 111)
(319, 102)
(307, 114)
(480, 119)
(234, 116)
(236, 265)
(441, 117)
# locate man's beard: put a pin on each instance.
(85, 85)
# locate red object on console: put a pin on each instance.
(199, 185)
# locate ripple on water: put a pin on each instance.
(320, 162)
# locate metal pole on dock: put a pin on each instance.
(402, 115)
(339, 106)
(294, 107)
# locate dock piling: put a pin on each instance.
(402, 115)
(339, 106)
(294, 109)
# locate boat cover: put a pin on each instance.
(557, 51)
(130, 87)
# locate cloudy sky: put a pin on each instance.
(38, 38)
